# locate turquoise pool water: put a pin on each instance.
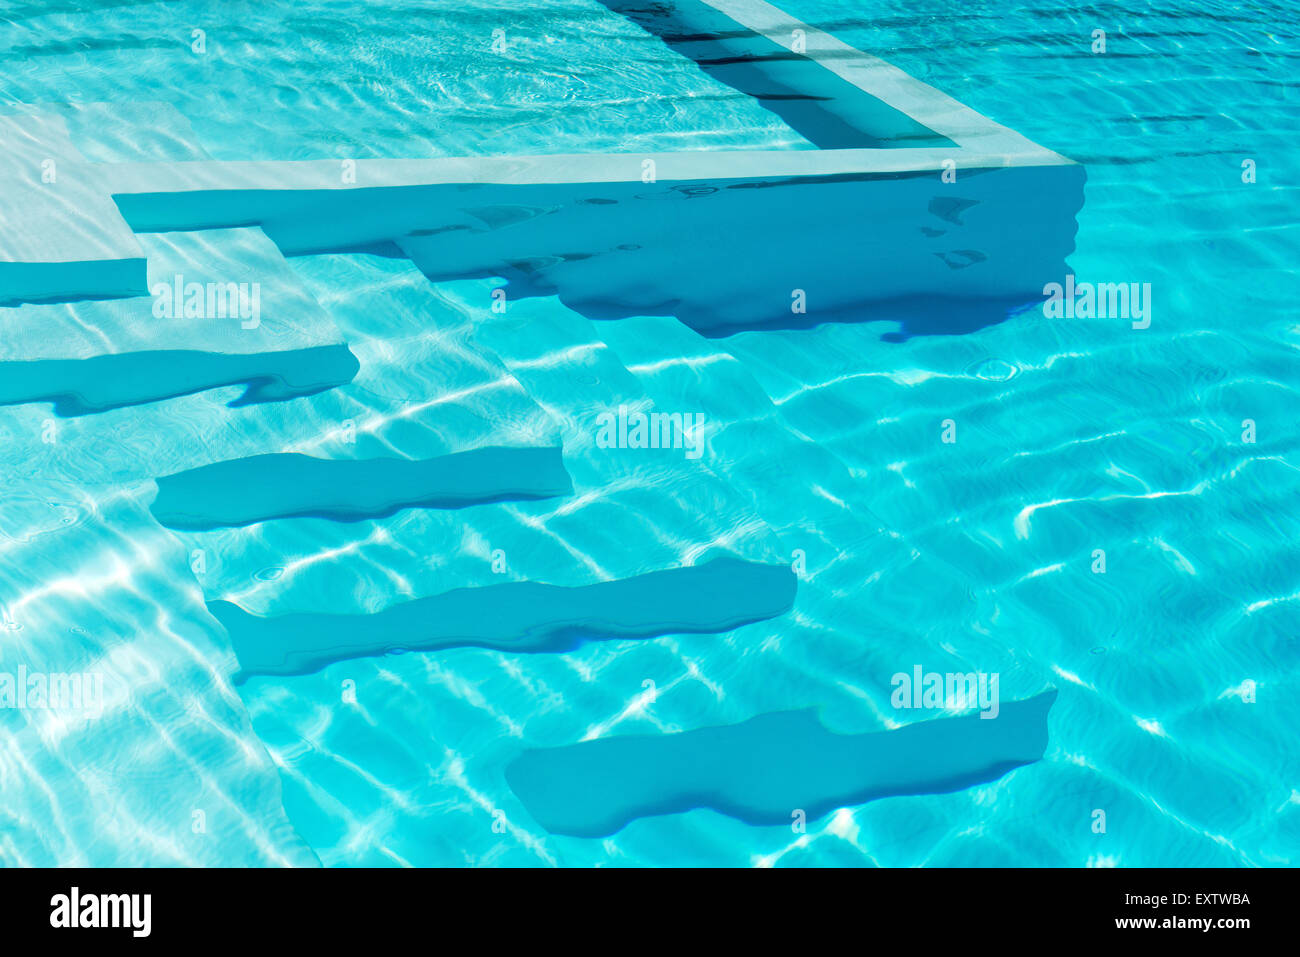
(398, 78)
(824, 449)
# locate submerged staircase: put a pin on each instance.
(356, 454)
(326, 436)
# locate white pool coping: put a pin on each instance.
(981, 143)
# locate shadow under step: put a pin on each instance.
(288, 484)
(763, 770)
(224, 308)
(519, 617)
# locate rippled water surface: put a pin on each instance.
(394, 78)
(1074, 437)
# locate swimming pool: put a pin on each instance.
(946, 495)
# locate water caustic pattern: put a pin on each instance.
(397, 78)
(376, 671)
(1086, 434)
(91, 588)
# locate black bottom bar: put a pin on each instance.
(333, 908)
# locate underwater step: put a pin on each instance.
(72, 241)
(617, 522)
(767, 770)
(282, 485)
(518, 617)
(136, 131)
(130, 132)
(224, 308)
